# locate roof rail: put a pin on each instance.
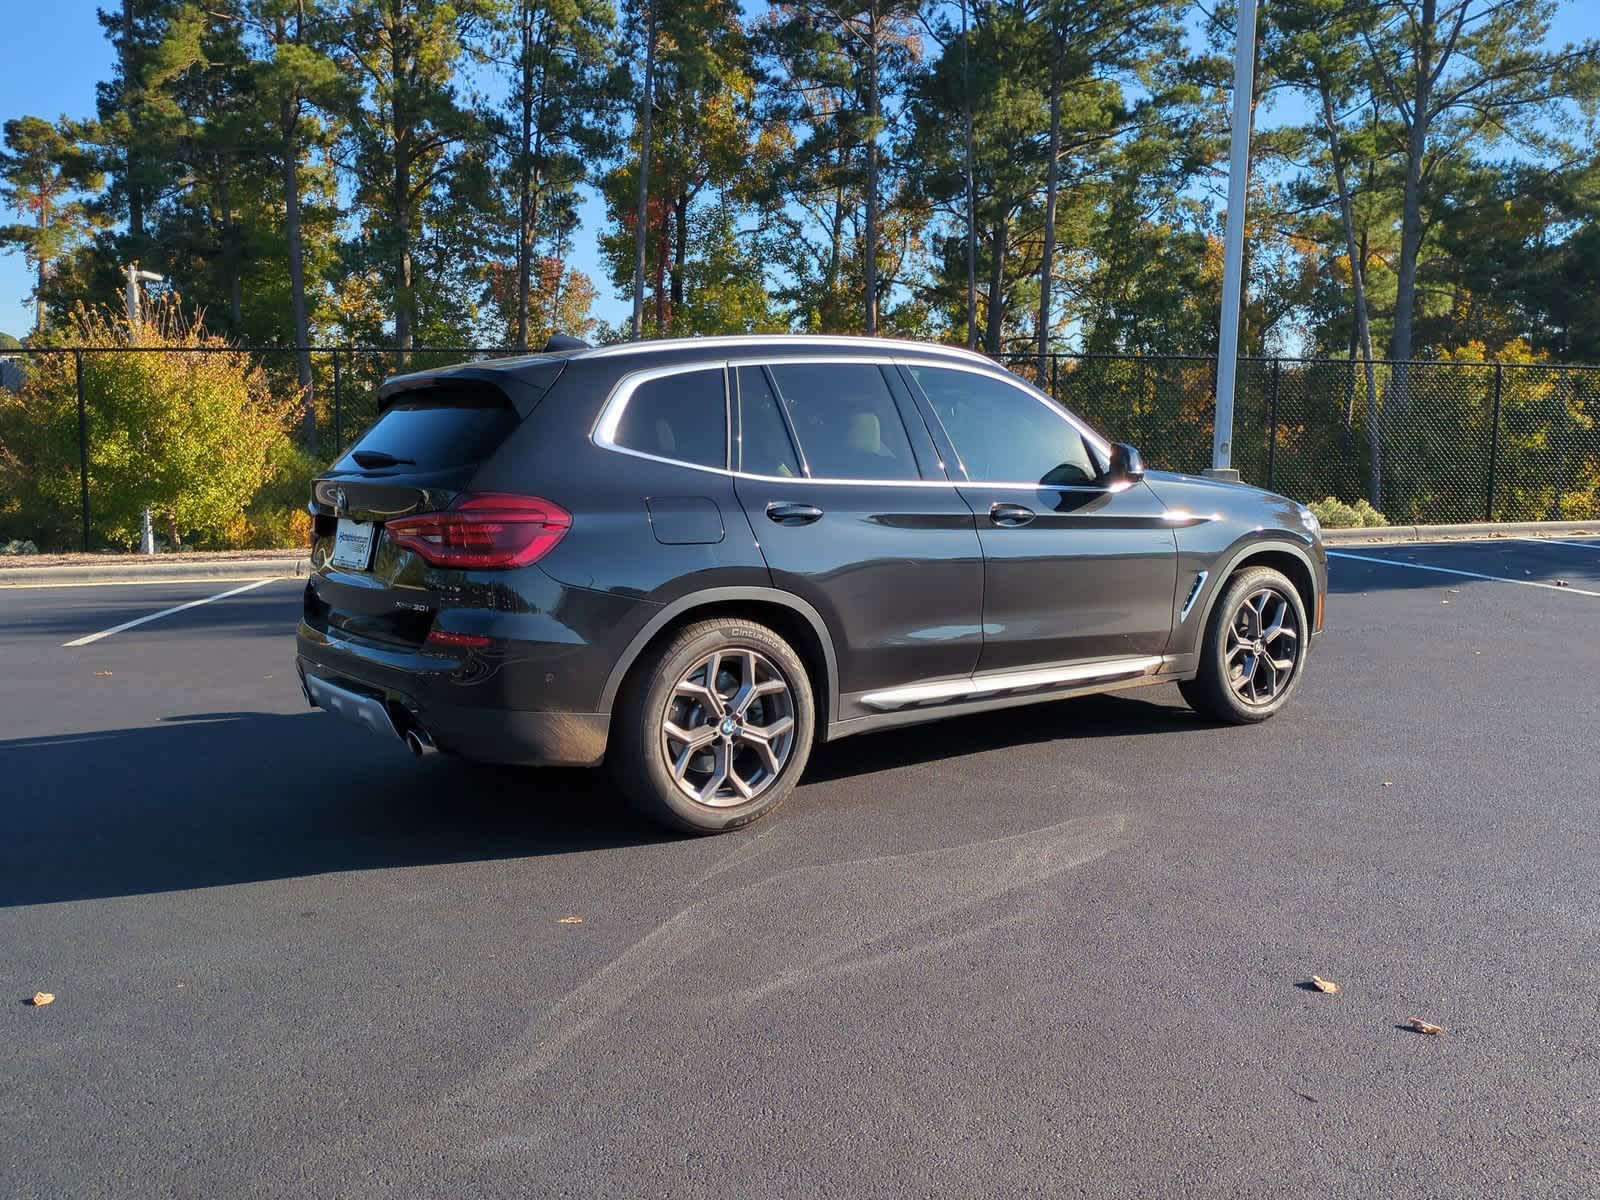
(808, 339)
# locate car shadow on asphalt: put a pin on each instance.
(208, 799)
(211, 799)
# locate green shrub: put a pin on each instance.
(1336, 514)
(188, 435)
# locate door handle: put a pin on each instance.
(1010, 515)
(793, 514)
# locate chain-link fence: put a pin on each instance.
(1424, 442)
(1431, 442)
(51, 439)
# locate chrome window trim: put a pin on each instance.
(603, 432)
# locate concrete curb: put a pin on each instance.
(1446, 533)
(222, 570)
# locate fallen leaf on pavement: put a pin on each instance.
(1324, 985)
(570, 921)
(1427, 1027)
(40, 999)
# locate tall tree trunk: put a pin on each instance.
(404, 298)
(1047, 263)
(646, 105)
(971, 187)
(524, 178)
(871, 250)
(130, 163)
(40, 274)
(230, 254)
(663, 249)
(997, 276)
(297, 273)
(289, 122)
(560, 248)
(680, 249)
(1358, 291)
(1411, 206)
(830, 290)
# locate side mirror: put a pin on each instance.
(1126, 465)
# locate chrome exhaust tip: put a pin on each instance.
(419, 743)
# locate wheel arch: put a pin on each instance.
(1287, 558)
(787, 614)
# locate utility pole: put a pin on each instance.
(147, 533)
(1244, 64)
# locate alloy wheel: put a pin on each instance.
(729, 727)
(1262, 649)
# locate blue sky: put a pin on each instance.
(55, 53)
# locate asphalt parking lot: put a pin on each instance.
(1050, 951)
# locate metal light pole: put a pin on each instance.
(147, 533)
(1244, 63)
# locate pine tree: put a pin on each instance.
(559, 56)
(408, 134)
(44, 174)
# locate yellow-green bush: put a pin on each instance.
(276, 517)
(1336, 514)
(189, 435)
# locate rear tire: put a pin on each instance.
(1254, 649)
(713, 727)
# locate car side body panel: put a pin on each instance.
(1090, 574)
(895, 570)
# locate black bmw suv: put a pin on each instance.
(693, 560)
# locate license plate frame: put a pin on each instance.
(352, 544)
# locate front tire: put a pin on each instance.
(1254, 649)
(714, 727)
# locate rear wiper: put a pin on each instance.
(380, 458)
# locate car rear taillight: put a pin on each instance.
(486, 531)
(444, 639)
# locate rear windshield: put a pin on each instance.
(435, 431)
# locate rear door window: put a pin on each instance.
(435, 430)
(683, 417)
(846, 420)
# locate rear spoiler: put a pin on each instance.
(522, 381)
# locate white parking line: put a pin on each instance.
(1390, 562)
(1594, 545)
(165, 612)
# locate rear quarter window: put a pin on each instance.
(682, 417)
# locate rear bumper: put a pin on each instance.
(392, 692)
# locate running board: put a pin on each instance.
(1012, 682)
